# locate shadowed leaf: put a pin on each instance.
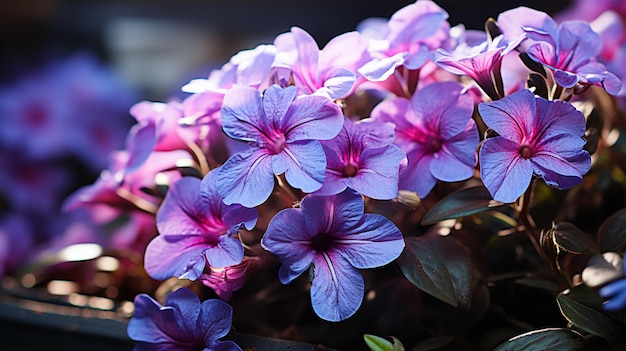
(612, 233)
(555, 339)
(588, 319)
(570, 238)
(461, 203)
(439, 266)
(433, 343)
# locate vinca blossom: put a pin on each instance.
(362, 157)
(182, 324)
(196, 230)
(283, 135)
(535, 137)
(331, 236)
(482, 62)
(436, 132)
(314, 70)
(406, 39)
(569, 50)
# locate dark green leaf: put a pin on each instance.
(532, 64)
(602, 269)
(570, 238)
(492, 29)
(433, 343)
(461, 203)
(439, 266)
(612, 233)
(545, 284)
(376, 343)
(538, 82)
(588, 319)
(556, 339)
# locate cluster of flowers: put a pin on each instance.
(278, 141)
(58, 123)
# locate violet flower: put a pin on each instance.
(406, 40)
(314, 70)
(182, 324)
(331, 236)
(196, 230)
(283, 135)
(363, 158)
(482, 62)
(535, 137)
(436, 132)
(570, 49)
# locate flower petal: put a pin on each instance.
(181, 208)
(304, 165)
(289, 237)
(504, 172)
(332, 214)
(512, 118)
(152, 323)
(228, 252)
(176, 256)
(214, 320)
(375, 242)
(246, 178)
(312, 117)
(378, 172)
(242, 114)
(336, 287)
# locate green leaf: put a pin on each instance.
(376, 343)
(556, 339)
(570, 238)
(439, 266)
(588, 319)
(612, 233)
(461, 203)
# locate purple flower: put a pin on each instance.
(331, 236)
(615, 293)
(183, 324)
(196, 229)
(482, 62)
(314, 70)
(283, 135)
(536, 137)
(405, 40)
(228, 279)
(436, 132)
(361, 157)
(570, 49)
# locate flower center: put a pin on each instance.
(349, 170)
(321, 242)
(526, 151)
(435, 144)
(275, 143)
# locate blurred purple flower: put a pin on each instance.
(405, 40)
(196, 230)
(182, 324)
(331, 236)
(283, 135)
(615, 293)
(436, 131)
(363, 158)
(17, 241)
(535, 137)
(319, 71)
(72, 106)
